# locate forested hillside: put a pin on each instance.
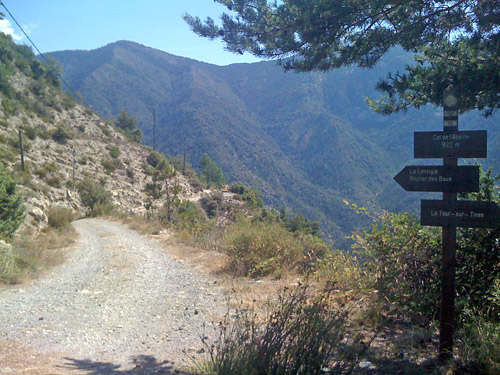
(309, 142)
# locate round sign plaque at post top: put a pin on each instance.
(450, 100)
(450, 109)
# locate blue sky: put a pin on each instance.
(55, 25)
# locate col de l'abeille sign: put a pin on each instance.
(450, 144)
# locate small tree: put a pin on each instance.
(162, 185)
(128, 124)
(210, 171)
(11, 206)
(94, 196)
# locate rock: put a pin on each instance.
(38, 214)
(366, 365)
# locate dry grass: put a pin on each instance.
(22, 359)
(138, 223)
(35, 255)
(398, 345)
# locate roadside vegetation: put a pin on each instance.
(380, 302)
(27, 255)
(385, 295)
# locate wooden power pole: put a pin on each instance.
(21, 148)
(154, 129)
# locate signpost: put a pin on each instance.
(449, 213)
(450, 144)
(447, 179)
(470, 214)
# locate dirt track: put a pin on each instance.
(119, 305)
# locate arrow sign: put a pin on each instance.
(472, 214)
(447, 179)
(450, 144)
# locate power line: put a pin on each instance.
(36, 48)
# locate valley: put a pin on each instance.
(308, 142)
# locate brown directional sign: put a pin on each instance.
(471, 214)
(447, 179)
(451, 144)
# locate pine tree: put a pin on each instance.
(11, 206)
(128, 124)
(456, 42)
(212, 173)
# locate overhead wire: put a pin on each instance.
(39, 53)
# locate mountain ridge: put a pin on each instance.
(309, 142)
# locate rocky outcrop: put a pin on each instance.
(63, 149)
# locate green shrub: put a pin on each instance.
(252, 196)
(43, 133)
(53, 181)
(211, 172)
(128, 125)
(68, 102)
(13, 141)
(7, 154)
(60, 217)
(479, 347)
(8, 264)
(62, 134)
(114, 151)
(259, 249)
(196, 184)
(189, 216)
(109, 166)
(45, 169)
(300, 336)
(94, 197)
(238, 188)
(30, 132)
(478, 257)
(154, 158)
(404, 261)
(343, 271)
(41, 172)
(11, 206)
(211, 204)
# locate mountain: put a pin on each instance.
(308, 141)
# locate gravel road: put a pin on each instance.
(119, 299)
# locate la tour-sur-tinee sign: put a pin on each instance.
(449, 213)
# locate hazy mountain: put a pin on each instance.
(308, 141)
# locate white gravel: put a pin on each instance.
(119, 296)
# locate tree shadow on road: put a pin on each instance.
(141, 365)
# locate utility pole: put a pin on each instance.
(154, 130)
(184, 165)
(21, 148)
(74, 168)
